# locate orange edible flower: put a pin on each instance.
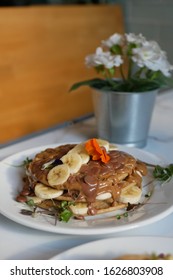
(93, 149)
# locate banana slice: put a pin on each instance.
(112, 147)
(131, 194)
(80, 149)
(46, 192)
(58, 174)
(79, 209)
(103, 143)
(73, 160)
(103, 196)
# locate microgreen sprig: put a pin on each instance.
(65, 212)
(24, 163)
(61, 212)
(27, 161)
(163, 174)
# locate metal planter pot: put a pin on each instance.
(124, 117)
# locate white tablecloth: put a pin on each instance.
(20, 242)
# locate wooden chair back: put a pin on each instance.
(42, 52)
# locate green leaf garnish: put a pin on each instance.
(61, 212)
(65, 212)
(23, 164)
(163, 174)
(65, 215)
(118, 217)
(125, 214)
(26, 161)
(30, 202)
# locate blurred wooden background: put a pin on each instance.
(42, 52)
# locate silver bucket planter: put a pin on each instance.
(124, 117)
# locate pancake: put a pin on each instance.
(95, 178)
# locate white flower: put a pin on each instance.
(103, 58)
(117, 60)
(115, 39)
(146, 64)
(166, 67)
(151, 56)
(137, 39)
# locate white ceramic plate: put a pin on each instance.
(158, 206)
(112, 248)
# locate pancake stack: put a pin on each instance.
(94, 177)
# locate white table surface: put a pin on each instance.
(20, 242)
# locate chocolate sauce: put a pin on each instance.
(95, 177)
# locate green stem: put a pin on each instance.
(139, 72)
(130, 69)
(107, 75)
(122, 74)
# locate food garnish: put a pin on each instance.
(95, 151)
(24, 163)
(27, 161)
(163, 174)
(61, 211)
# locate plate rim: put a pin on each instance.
(118, 239)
